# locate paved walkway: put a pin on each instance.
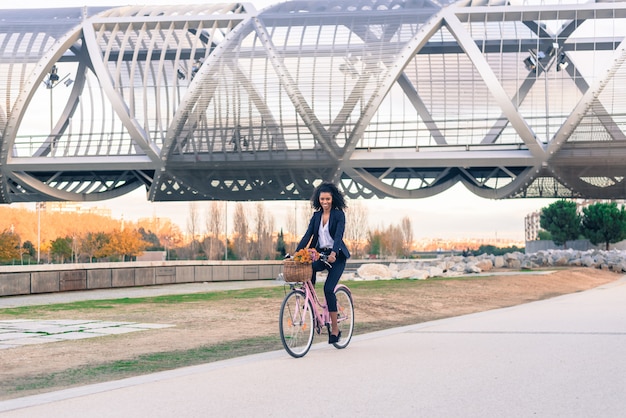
(18, 332)
(562, 357)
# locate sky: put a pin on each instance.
(454, 214)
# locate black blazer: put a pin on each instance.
(336, 227)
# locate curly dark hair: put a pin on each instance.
(338, 200)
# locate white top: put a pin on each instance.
(324, 238)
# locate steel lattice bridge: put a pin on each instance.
(391, 98)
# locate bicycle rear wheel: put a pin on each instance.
(296, 324)
(345, 316)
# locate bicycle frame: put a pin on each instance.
(321, 316)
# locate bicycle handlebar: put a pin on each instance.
(323, 258)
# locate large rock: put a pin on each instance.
(435, 271)
(374, 271)
(588, 261)
(561, 261)
(513, 263)
(458, 268)
(472, 268)
(484, 265)
(412, 274)
(620, 267)
(447, 264)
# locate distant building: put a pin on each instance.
(531, 226)
(74, 207)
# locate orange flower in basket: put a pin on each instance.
(306, 256)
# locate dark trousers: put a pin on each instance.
(334, 274)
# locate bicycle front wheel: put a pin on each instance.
(296, 324)
(345, 316)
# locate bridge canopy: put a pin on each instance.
(386, 98)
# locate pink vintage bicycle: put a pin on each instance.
(302, 314)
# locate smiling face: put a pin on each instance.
(326, 200)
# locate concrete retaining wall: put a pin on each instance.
(24, 280)
(578, 245)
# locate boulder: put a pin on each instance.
(561, 261)
(435, 272)
(374, 271)
(588, 261)
(484, 265)
(394, 267)
(513, 263)
(412, 274)
(458, 268)
(472, 268)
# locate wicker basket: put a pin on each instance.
(296, 272)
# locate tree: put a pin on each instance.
(29, 248)
(407, 234)
(264, 249)
(192, 228)
(94, 243)
(356, 227)
(375, 243)
(9, 246)
(561, 220)
(292, 227)
(170, 236)
(61, 249)
(604, 223)
(543, 235)
(241, 227)
(394, 241)
(214, 223)
(76, 247)
(126, 243)
(154, 244)
(281, 247)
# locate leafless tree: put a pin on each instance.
(407, 233)
(303, 216)
(76, 246)
(357, 221)
(292, 230)
(270, 244)
(304, 213)
(241, 227)
(297, 223)
(264, 227)
(193, 222)
(290, 233)
(394, 239)
(214, 223)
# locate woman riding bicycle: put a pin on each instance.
(325, 233)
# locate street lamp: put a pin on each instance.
(226, 231)
(51, 82)
(40, 205)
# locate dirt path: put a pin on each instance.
(206, 323)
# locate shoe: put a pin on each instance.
(333, 339)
